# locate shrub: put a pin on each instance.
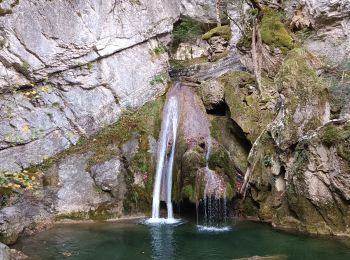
(331, 135)
(186, 30)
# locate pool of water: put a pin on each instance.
(185, 241)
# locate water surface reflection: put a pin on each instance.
(163, 243)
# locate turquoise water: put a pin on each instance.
(137, 241)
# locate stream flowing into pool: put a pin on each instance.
(131, 240)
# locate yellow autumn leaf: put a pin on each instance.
(25, 128)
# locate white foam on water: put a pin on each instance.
(162, 221)
(213, 229)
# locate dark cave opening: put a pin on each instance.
(220, 109)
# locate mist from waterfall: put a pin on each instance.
(165, 163)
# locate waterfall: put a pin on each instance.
(165, 164)
(214, 192)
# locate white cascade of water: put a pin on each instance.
(213, 209)
(168, 131)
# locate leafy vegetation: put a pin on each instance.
(267, 160)
(10, 180)
(187, 30)
(339, 85)
(15, 182)
(158, 50)
(157, 79)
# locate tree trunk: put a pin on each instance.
(256, 52)
(218, 17)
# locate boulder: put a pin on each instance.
(109, 176)
(12, 223)
(77, 192)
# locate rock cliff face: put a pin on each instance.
(70, 68)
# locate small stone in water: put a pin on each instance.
(67, 253)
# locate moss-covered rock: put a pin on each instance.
(274, 32)
(338, 136)
(229, 135)
(306, 96)
(224, 31)
(251, 111)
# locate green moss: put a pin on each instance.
(220, 161)
(218, 56)
(215, 129)
(224, 31)
(273, 31)
(338, 136)
(4, 12)
(246, 109)
(182, 64)
(298, 81)
(344, 152)
(247, 207)
(187, 192)
(146, 121)
(102, 213)
(331, 135)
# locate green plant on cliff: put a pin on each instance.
(186, 30)
(17, 180)
(158, 50)
(340, 137)
(157, 79)
(220, 162)
(4, 12)
(301, 157)
(267, 160)
(25, 68)
(331, 135)
(273, 31)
